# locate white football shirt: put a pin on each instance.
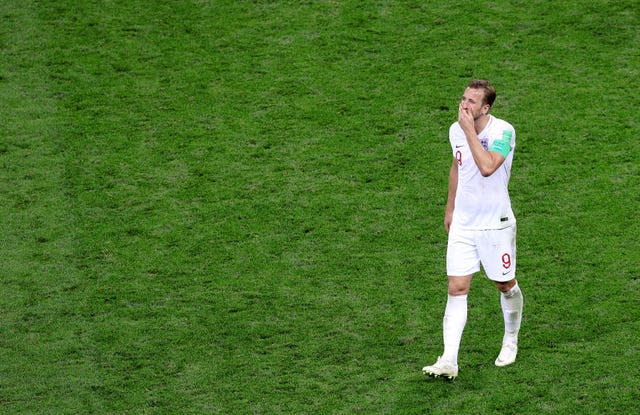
(483, 203)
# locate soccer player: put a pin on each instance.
(480, 223)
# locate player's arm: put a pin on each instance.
(451, 197)
(488, 161)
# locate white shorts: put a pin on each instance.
(494, 249)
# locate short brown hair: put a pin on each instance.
(489, 90)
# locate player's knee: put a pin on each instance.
(459, 287)
(505, 286)
(458, 291)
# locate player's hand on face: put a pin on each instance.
(465, 117)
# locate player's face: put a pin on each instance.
(472, 102)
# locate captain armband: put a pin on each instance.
(502, 145)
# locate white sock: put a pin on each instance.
(455, 318)
(512, 303)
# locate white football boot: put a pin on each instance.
(507, 354)
(442, 368)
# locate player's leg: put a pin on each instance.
(455, 316)
(453, 322)
(462, 262)
(512, 303)
(499, 261)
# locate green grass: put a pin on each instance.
(236, 206)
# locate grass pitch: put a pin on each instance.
(236, 207)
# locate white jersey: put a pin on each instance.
(483, 203)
